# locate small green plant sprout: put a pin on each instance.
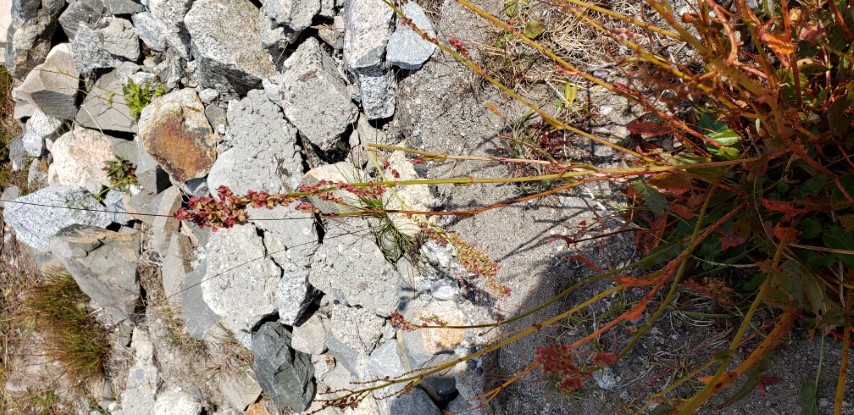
(122, 174)
(138, 96)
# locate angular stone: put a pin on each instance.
(33, 23)
(176, 265)
(164, 225)
(290, 238)
(406, 48)
(461, 405)
(52, 86)
(17, 154)
(171, 13)
(264, 155)
(80, 11)
(143, 378)
(232, 278)
(37, 175)
(282, 21)
(176, 403)
(351, 269)
(437, 341)
(89, 52)
(120, 39)
(103, 263)
(350, 349)
(415, 402)
(387, 360)
(368, 27)
(377, 88)
(198, 317)
(310, 335)
(104, 47)
(114, 204)
(42, 214)
(314, 96)
(79, 158)
(149, 174)
(151, 31)
(104, 107)
(40, 127)
(10, 193)
(284, 374)
(122, 6)
(240, 390)
(227, 45)
(176, 133)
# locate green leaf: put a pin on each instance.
(811, 227)
(726, 153)
(807, 399)
(570, 92)
(653, 200)
(726, 138)
(534, 29)
(513, 7)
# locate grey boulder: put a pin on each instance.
(52, 86)
(377, 88)
(350, 268)
(239, 269)
(406, 48)
(368, 27)
(40, 215)
(122, 6)
(105, 47)
(227, 45)
(40, 127)
(102, 109)
(314, 96)
(80, 11)
(282, 21)
(171, 14)
(104, 265)
(33, 23)
(198, 318)
(152, 31)
(264, 155)
(285, 375)
(415, 402)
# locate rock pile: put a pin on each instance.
(266, 99)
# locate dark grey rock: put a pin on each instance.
(33, 23)
(460, 405)
(415, 402)
(227, 45)
(175, 267)
(284, 374)
(80, 11)
(313, 95)
(42, 214)
(406, 48)
(104, 265)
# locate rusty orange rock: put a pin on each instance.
(176, 133)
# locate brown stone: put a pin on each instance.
(177, 135)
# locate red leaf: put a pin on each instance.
(730, 239)
(782, 206)
(648, 129)
(683, 211)
(676, 183)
